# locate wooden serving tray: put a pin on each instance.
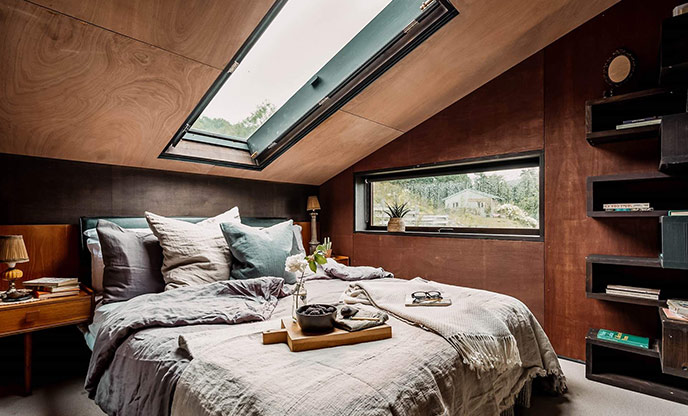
(291, 334)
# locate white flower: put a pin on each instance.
(296, 264)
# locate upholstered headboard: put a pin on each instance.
(86, 223)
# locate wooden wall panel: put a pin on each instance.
(74, 91)
(53, 250)
(47, 191)
(504, 116)
(570, 235)
(196, 29)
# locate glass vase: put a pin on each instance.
(299, 298)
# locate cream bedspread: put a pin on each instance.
(416, 372)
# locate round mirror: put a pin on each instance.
(619, 67)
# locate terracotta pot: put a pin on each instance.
(396, 225)
(328, 253)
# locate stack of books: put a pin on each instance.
(634, 206)
(679, 307)
(633, 292)
(53, 287)
(640, 122)
(678, 213)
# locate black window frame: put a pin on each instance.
(363, 195)
(435, 14)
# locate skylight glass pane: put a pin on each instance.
(301, 39)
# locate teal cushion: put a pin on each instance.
(259, 252)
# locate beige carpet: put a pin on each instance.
(585, 398)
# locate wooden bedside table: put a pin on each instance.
(24, 318)
(342, 259)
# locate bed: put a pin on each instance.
(212, 369)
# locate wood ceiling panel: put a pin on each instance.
(339, 142)
(484, 40)
(74, 91)
(208, 31)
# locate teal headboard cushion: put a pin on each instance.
(86, 223)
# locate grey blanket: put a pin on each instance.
(340, 271)
(414, 373)
(229, 302)
(478, 323)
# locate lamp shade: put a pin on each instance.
(12, 249)
(313, 203)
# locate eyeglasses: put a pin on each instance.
(432, 295)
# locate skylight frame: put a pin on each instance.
(434, 14)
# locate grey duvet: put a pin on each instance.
(225, 370)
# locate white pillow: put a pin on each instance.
(193, 253)
(97, 265)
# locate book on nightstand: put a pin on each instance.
(621, 338)
(51, 282)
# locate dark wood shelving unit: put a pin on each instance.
(632, 368)
(662, 191)
(603, 270)
(604, 114)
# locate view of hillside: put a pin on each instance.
(241, 130)
(496, 199)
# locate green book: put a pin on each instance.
(621, 338)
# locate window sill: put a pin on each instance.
(483, 236)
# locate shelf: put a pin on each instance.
(662, 191)
(653, 351)
(613, 136)
(632, 368)
(626, 299)
(627, 214)
(603, 270)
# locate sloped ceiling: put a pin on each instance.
(110, 81)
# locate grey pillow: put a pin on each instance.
(193, 253)
(259, 252)
(132, 262)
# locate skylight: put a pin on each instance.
(303, 62)
(301, 39)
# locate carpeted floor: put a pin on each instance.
(585, 398)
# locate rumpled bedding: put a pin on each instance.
(224, 302)
(225, 369)
(414, 373)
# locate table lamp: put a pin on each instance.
(13, 251)
(313, 205)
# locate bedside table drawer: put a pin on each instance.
(37, 315)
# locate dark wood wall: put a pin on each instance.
(48, 191)
(501, 117)
(537, 105)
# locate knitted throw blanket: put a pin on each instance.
(478, 324)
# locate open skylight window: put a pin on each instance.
(305, 60)
(301, 39)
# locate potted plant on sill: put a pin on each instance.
(396, 215)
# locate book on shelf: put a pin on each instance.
(632, 294)
(674, 316)
(51, 282)
(621, 338)
(679, 306)
(635, 289)
(636, 206)
(638, 120)
(678, 213)
(638, 123)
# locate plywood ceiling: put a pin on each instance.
(110, 81)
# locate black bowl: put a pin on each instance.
(316, 324)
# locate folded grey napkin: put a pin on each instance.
(363, 317)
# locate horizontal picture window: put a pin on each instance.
(500, 196)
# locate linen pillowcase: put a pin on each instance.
(193, 253)
(132, 262)
(260, 252)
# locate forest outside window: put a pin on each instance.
(486, 197)
(303, 62)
